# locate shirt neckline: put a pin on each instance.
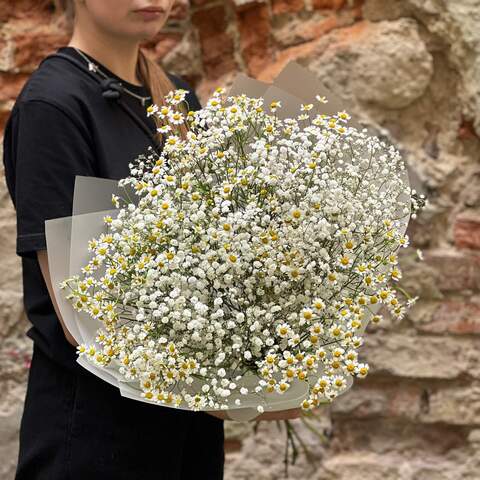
(138, 89)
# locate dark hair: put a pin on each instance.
(149, 71)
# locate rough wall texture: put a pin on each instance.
(411, 66)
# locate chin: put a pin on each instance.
(148, 34)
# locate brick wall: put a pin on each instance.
(410, 66)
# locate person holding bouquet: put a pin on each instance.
(83, 112)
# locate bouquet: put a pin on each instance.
(240, 266)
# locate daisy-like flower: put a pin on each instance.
(152, 110)
(164, 128)
(309, 362)
(332, 278)
(306, 107)
(307, 314)
(362, 370)
(115, 200)
(275, 105)
(319, 304)
(176, 118)
(336, 331)
(404, 241)
(169, 180)
(81, 349)
(395, 274)
(385, 295)
(176, 96)
(282, 387)
(338, 352)
(296, 214)
(362, 268)
(412, 301)
(214, 104)
(294, 340)
(163, 112)
(87, 269)
(339, 382)
(92, 244)
(321, 99)
(191, 115)
(350, 367)
(344, 261)
(283, 330)
(343, 115)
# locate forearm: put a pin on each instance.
(43, 261)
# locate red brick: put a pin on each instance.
(254, 28)
(24, 9)
(232, 445)
(466, 231)
(342, 37)
(287, 6)
(312, 29)
(283, 57)
(455, 270)
(466, 130)
(215, 43)
(163, 43)
(29, 51)
(338, 5)
(11, 84)
(329, 4)
(370, 398)
(454, 317)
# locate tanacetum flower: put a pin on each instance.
(175, 97)
(164, 128)
(275, 105)
(362, 370)
(321, 99)
(176, 118)
(283, 330)
(338, 382)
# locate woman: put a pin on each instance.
(66, 123)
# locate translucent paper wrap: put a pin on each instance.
(67, 240)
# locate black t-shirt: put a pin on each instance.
(59, 127)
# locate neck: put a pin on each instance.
(118, 55)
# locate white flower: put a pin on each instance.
(176, 118)
(321, 99)
(164, 128)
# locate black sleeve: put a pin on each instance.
(43, 151)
